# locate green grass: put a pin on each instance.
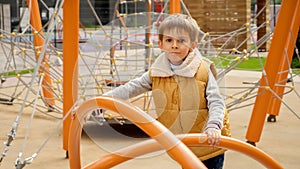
(14, 73)
(296, 71)
(252, 63)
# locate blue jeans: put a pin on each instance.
(215, 162)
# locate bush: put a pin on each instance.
(295, 61)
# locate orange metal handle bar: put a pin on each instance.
(179, 151)
(198, 139)
(125, 154)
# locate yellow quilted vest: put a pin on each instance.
(181, 106)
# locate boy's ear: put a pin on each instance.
(159, 42)
(194, 45)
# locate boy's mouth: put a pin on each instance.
(174, 53)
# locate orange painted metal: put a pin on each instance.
(174, 6)
(70, 67)
(286, 59)
(272, 67)
(35, 21)
(162, 139)
(148, 146)
(152, 127)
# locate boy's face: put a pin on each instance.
(176, 44)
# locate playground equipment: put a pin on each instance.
(274, 77)
(38, 42)
(82, 82)
(152, 127)
(162, 136)
(174, 9)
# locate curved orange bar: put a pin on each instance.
(149, 146)
(125, 154)
(179, 151)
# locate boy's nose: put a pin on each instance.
(174, 45)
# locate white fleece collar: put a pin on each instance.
(161, 67)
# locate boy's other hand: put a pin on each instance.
(213, 136)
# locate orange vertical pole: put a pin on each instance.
(279, 41)
(274, 107)
(35, 20)
(70, 67)
(174, 6)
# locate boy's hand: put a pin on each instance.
(94, 113)
(213, 136)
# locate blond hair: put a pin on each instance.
(180, 22)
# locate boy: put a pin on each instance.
(184, 90)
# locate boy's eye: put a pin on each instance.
(168, 40)
(181, 40)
